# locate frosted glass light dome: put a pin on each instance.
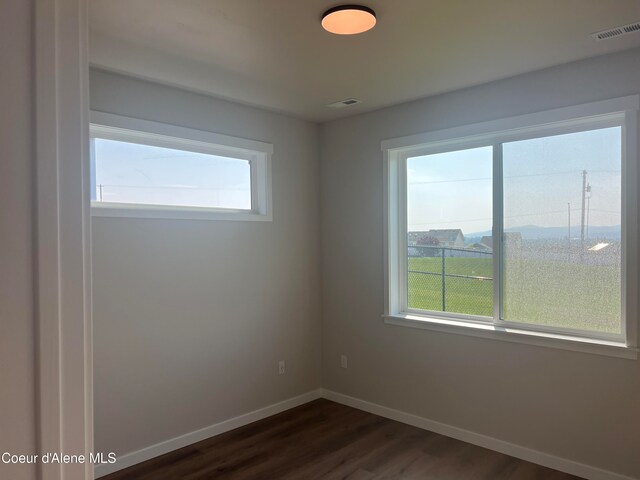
(348, 19)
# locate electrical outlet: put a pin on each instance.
(281, 368)
(343, 361)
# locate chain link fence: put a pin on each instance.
(449, 279)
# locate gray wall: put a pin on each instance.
(574, 405)
(17, 342)
(19, 400)
(191, 317)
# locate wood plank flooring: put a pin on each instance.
(326, 440)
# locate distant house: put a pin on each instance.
(480, 246)
(442, 238)
(412, 237)
(511, 239)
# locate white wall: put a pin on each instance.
(191, 317)
(17, 336)
(574, 405)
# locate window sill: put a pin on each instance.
(564, 342)
(178, 213)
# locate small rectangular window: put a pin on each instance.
(149, 175)
(157, 170)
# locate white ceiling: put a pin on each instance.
(274, 53)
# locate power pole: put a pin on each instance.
(588, 208)
(569, 228)
(584, 198)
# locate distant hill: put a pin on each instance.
(534, 232)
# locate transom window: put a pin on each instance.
(140, 174)
(523, 230)
(141, 168)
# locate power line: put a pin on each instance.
(176, 187)
(426, 182)
(521, 215)
(450, 181)
(506, 216)
(606, 211)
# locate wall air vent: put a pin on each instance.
(345, 103)
(616, 31)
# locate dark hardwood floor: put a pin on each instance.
(325, 440)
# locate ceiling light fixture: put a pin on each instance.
(348, 19)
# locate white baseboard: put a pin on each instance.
(167, 446)
(524, 453)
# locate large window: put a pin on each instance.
(520, 230)
(141, 168)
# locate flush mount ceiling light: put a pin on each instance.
(348, 19)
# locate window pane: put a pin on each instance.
(562, 218)
(449, 208)
(142, 174)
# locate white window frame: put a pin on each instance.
(622, 112)
(144, 132)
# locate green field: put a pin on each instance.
(541, 292)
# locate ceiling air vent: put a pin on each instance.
(344, 103)
(616, 31)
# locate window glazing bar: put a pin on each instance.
(498, 233)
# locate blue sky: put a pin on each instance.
(453, 190)
(450, 190)
(132, 173)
